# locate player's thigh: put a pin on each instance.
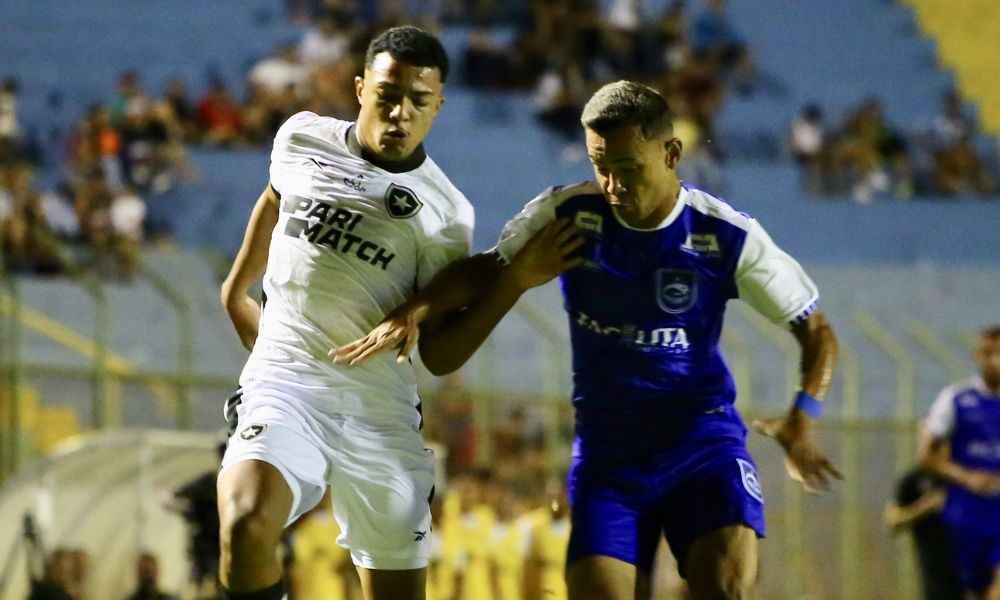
(380, 584)
(254, 492)
(273, 463)
(722, 564)
(722, 492)
(381, 484)
(606, 578)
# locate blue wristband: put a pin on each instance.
(811, 406)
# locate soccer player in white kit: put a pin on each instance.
(354, 219)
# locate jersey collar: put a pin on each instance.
(667, 221)
(400, 166)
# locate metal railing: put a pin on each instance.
(173, 388)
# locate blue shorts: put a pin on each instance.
(621, 508)
(977, 555)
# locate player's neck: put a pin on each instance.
(364, 152)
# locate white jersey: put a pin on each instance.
(353, 241)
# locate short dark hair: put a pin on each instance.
(411, 45)
(628, 104)
(990, 333)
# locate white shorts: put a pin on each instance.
(380, 475)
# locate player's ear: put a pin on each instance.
(359, 86)
(674, 148)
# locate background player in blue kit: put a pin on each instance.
(647, 264)
(962, 444)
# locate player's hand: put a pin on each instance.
(399, 329)
(804, 460)
(547, 254)
(982, 483)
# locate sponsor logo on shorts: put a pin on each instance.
(252, 431)
(751, 483)
(419, 535)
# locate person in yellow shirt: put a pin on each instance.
(545, 566)
(321, 570)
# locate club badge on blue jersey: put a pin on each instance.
(401, 202)
(676, 290)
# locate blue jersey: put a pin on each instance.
(968, 416)
(646, 312)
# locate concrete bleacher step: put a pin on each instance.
(854, 50)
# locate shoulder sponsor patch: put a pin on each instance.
(401, 202)
(253, 431)
(751, 483)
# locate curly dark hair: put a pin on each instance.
(411, 45)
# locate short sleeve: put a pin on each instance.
(279, 151)
(516, 233)
(452, 242)
(940, 420)
(772, 282)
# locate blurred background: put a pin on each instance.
(134, 140)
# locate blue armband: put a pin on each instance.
(811, 406)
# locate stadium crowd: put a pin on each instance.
(129, 150)
(867, 157)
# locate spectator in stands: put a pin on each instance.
(129, 96)
(60, 216)
(917, 507)
(951, 125)
(559, 98)
(958, 170)
(806, 136)
(177, 111)
(275, 74)
(143, 136)
(486, 64)
(716, 36)
(128, 218)
(328, 41)
(10, 130)
(221, 116)
(25, 239)
(147, 573)
(452, 424)
(95, 147)
(58, 582)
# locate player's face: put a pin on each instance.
(636, 174)
(988, 357)
(398, 104)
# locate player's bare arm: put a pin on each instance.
(249, 266)
(899, 517)
(481, 286)
(935, 456)
(449, 343)
(456, 286)
(805, 460)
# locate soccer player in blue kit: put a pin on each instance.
(648, 264)
(962, 444)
